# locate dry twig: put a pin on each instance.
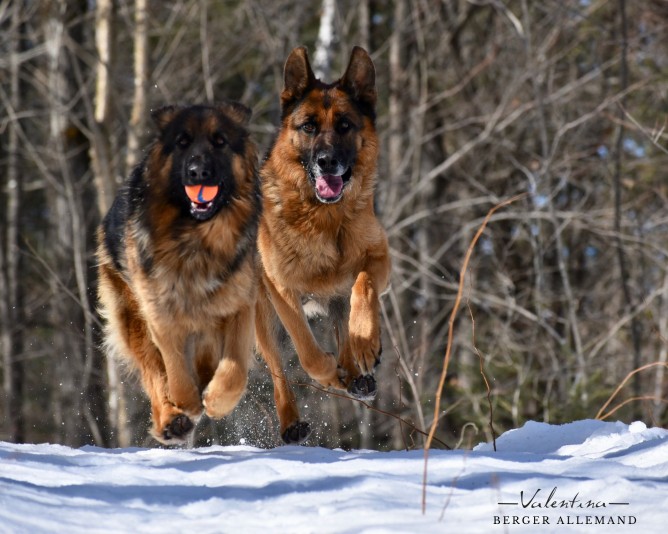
(451, 326)
(600, 415)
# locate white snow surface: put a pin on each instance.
(586, 476)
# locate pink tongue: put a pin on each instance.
(329, 186)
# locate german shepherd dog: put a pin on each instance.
(178, 269)
(319, 239)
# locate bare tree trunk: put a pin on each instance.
(100, 150)
(75, 350)
(138, 116)
(5, 341)
(396, 116)
(12, 305)
(621, 253)
(426, 302)
(659, 407)
(204, 45)
(324, 50)
(66, 357)
(400, 299)
(364, 25)
(123, 395)
(105, 184)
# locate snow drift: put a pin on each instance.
(586, 476)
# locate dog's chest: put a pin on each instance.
(195, 284)
(321, 264)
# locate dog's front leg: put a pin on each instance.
(364, 322)
(320, 365)
(182, 389)
(229, 381)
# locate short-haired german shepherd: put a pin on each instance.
(178, 268)
(319, 239)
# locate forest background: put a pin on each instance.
(479, 100)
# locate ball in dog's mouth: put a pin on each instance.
(201, 196)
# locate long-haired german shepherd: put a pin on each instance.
(319, 239)
(178, 268)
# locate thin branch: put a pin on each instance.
(448, 350)
(653, 137)
(628, 401)
(620, 386)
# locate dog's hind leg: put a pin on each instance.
(170, 424)
(293, 431)
(127, 335)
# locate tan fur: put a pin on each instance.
(185, 326)
(321, 251)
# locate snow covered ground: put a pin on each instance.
(587, 476)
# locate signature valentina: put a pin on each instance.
(547, 501)
(540, 501)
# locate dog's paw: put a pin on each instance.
(224, 391)
(178, 428)
(176, 431)
(296, 433)
(219, 401)
(364, 326)
(364, 332)
(363, 387)
(366, 349)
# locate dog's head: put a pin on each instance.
(199, 144)
(329, 124)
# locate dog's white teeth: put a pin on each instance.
(201, 207)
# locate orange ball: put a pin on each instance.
(201, 193)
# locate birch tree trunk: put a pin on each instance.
(324, 50)
(364, 25)
(100, 150)
(105, 184)
(11, 309)
(396, 77)
(138, 116)
(77, 400)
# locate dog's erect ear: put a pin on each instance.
(297, 76)
(360, 77)
(236, 111)
(164, 115)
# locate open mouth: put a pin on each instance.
(202, 199)
(329, 187)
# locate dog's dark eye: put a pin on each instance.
(218, 140)
(344, 125)
(308, 128)
(183, 140)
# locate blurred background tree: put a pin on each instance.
(478, 100)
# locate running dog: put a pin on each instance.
(319, 240)
(178, 266)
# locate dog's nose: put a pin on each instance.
(198, 172)
(328, 163)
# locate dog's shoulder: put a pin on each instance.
(129, 200)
